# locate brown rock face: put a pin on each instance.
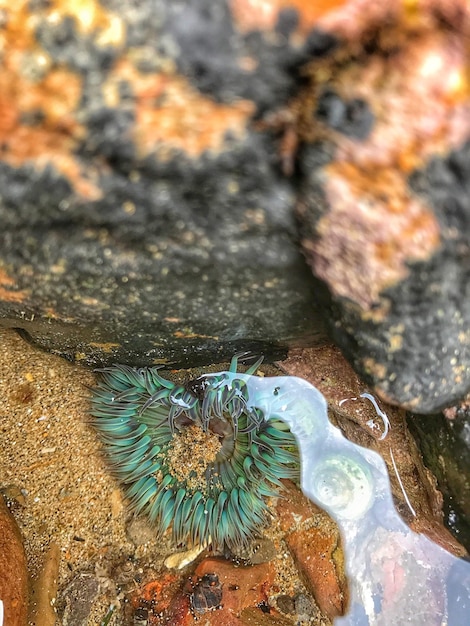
(413, 487)
(314, 542)
(13, 572)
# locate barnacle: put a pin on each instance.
(200, 458)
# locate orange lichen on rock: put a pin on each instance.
(7, 289)
(31, 85)
(185, 120)
(172, 115)
(415, 81)
(156, 594)
(13, 571)
(45, 94)
(374, 227)
(108, 347)
(421, 108)
(263, 14)
(90, 17)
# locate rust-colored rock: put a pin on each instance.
(43, 595)
(293, 508)
(156, 597)
(229, 590)
(13, 572)
(242, 587)
(319, 558)
(314, 541)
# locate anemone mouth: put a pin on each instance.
(191, 457)
(199, 459)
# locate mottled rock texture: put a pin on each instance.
(385, 198)
(152, 155)
(145, 219)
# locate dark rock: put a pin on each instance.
(144, 219)
(320, 43)
(385, 221)
(350, 117)
(445, 446)
(155, 272)
(412, 343)
(288, 21)
(79, 597)
(285, 604)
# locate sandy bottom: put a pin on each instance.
(51, 461)
(52, 468)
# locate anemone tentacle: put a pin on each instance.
(217, 496)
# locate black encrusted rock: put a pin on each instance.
(144, 218)
(445, 446)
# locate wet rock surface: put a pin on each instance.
(416, 494)
(222, 592)
(78, 598)
(44, 585)
(145, 218)
(146, 211)
(314, 542)
(76, 522)
(445, 445)
(13, 572)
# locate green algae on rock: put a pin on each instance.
(197, 458)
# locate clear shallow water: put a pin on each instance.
(396, 576)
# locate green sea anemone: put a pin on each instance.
(200, 458)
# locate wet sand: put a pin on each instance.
(51, 463)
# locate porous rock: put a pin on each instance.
(384, 203)
(144, 217)
(145, 214)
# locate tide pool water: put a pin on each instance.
(395, 575)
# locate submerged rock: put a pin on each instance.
(13, 572)
(445, 445)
